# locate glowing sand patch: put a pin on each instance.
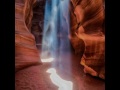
(47, 60)
(58, 81)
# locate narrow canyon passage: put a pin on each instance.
(47, 28)
(61, 66)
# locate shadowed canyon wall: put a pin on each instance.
(37, 22)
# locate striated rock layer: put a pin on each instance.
(26, 53)
(86, 27)
(87, 34)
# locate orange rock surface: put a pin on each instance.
(87, 32)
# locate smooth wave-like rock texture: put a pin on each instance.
(87, 29)
(26, 53)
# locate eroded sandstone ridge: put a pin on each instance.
(88, 34)
(26, 53)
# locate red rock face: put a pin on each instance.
(88, 17)
(75, 41)
(26, 53)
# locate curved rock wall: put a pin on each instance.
(87, 32)
(26, 53)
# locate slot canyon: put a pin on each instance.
(59, 44)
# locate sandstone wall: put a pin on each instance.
(26, 53)
(88, 34)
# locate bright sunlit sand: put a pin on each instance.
(58, 81)
(47, 59)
